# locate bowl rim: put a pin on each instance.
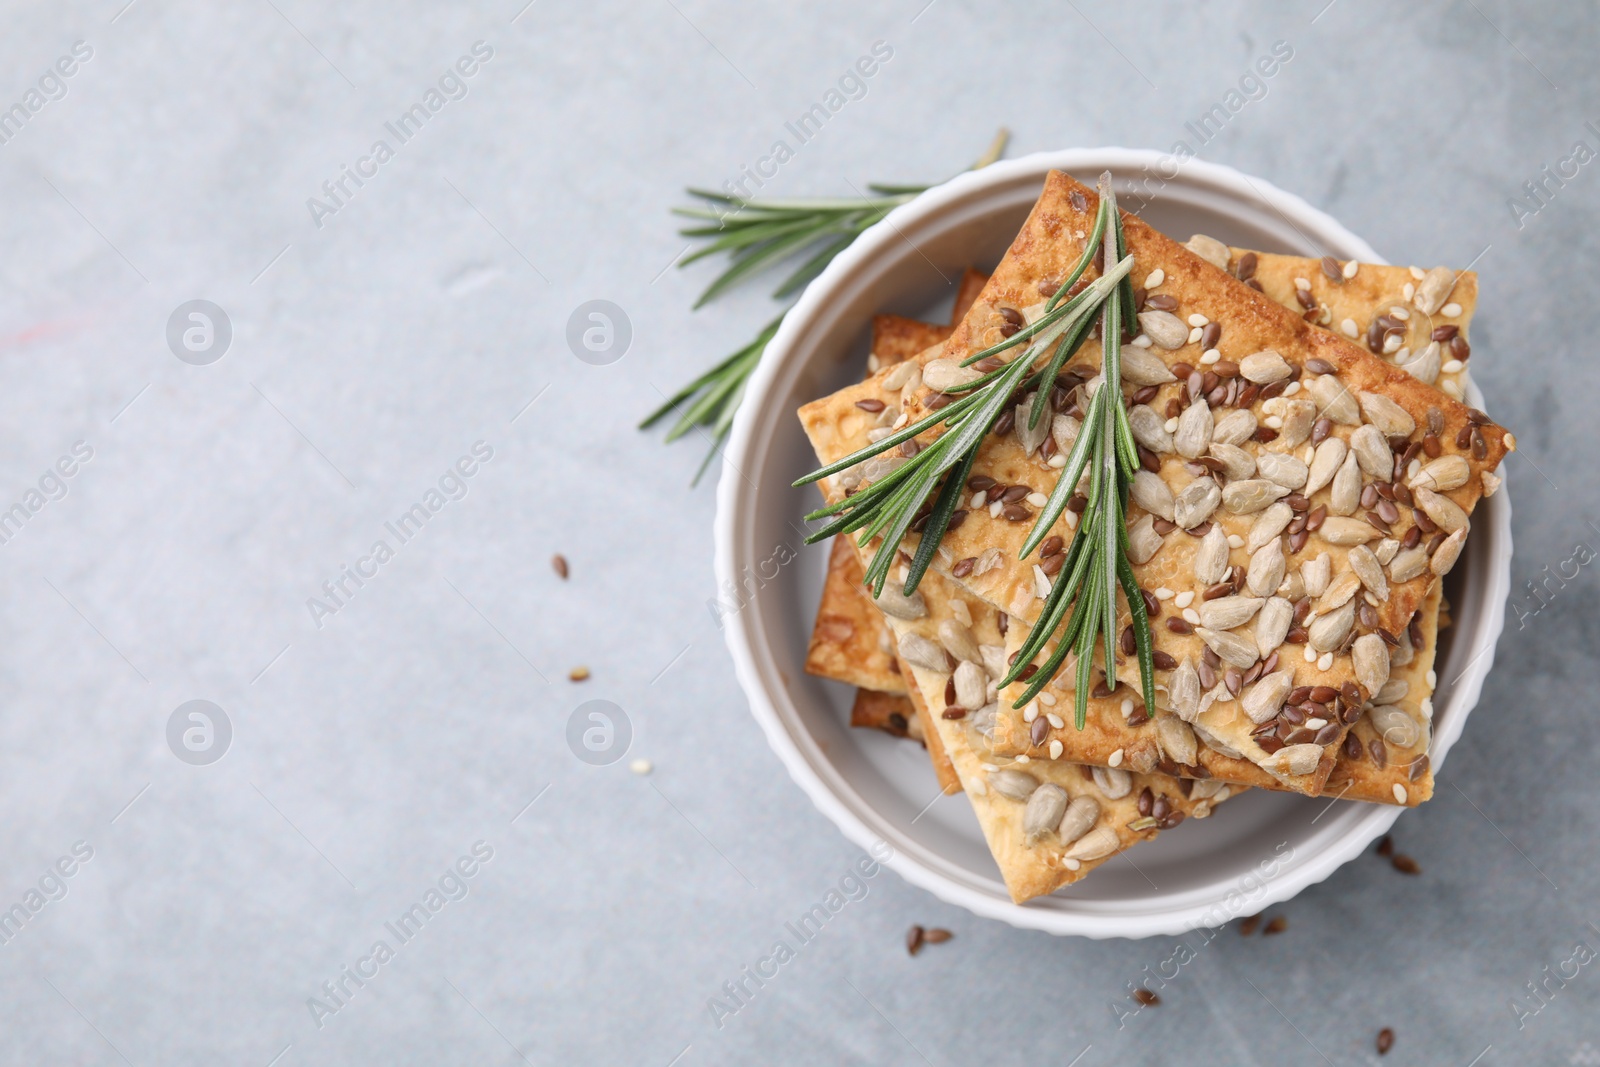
(920, 866)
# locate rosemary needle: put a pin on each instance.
(757, 234)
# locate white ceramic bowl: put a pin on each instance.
(1258, 849)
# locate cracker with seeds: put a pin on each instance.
(1277, 408)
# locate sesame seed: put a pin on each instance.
(1163, 593)
(1409, 292)
(640, 766)
(1452, 366)
(1433, 679)
(1184, 599)
(905, 417)
(579, 674)
(1316, 722)
(1057, 721)
(1325, 662)
(1022, 758)
(1235, 541)
(1450, 310)
(1400, 313)
(1311, 654)
(1058, 460)
(1209, 356)
(1030, 712)
(1294, 387)
(1142, 341)
(1048, 701)
(1194, 335)
(1191, 616)
(1349, 328)
(995, 509)
(1038, 500)
(1416, 272)
(1391, 343)
(1055, 748)
(1399, 793)
(1155, 278)
(1172, 425)
(1198, 319)
(1302, 283)
(1071, 864)
(1273, 422)
(1350, 269)
(978, 500)
(1116, 757)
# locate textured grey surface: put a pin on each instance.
(372, 352)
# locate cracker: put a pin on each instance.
(892, 713)
(1029, 869)
(849, 642)
(1046, 247)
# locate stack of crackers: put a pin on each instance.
(1308, 475)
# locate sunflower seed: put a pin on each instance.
(1434, 289)
(972, 685)
(1442, 475)
(1339, 592)
(1394, 725)
(1345, 496)
(1298, 418)
(1236, 463)
(942, 375)
(1113, 782)
(1372, 452)
(1371, 657)
(1164, 328)
(1334, 400)
(1251, 495)
(1149, 429)
(900, 374)
(1079, 819)
(1293, 761)
(1193, 434)
(1209, 249)
(1211, 558)
(893, 602)
(1316, 574)
(1152, 494)
(1386, 415)
(1268, 525)
(1183, 691)
(1267, 568)
(1441, 509)
(1098, 843)
(1272, 624)
(1143, 541)
(1177, 740)
(1282, 468)
(1140, 367)
(1043, 812)
(1013, 784)
(1236, 427)
(1265, 699)
(1196, 503)
(921, 652)
(1064, 431)
(1227, 612)
(1445, 556)
(1325, 463)
(1230, 648)
(1367, 568)
(1264, 367)
(957, 640)
(1031, 438)
(1424, 366)
(1329, 631)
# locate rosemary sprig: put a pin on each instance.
(1097, 560)
(891, 504)
(757, 234)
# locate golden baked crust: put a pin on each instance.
(849, 642)
(1045, 248)
(892, 713)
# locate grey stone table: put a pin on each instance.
(194, 505)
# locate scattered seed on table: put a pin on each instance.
(640, 766)
(579, 674)
(558, 563)
(1248, 926)
(1145, 997)
(1405, 864)
(937, 936)
(914, 938)
(1385, 1040)
(1276, 925)
(1386, 846)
